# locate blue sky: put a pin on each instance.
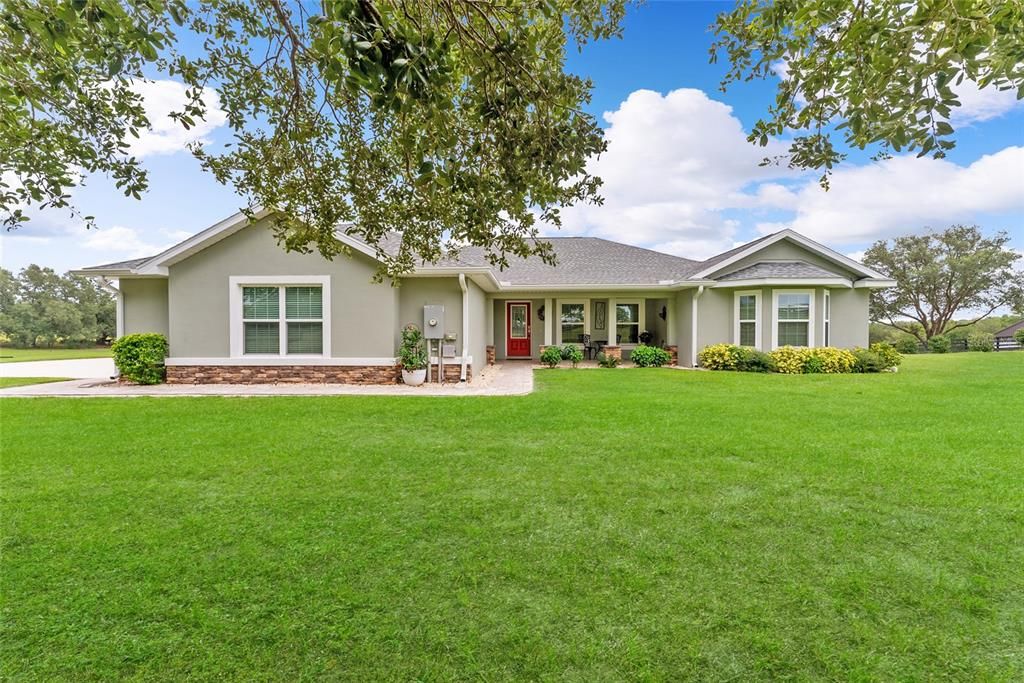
(679, 175)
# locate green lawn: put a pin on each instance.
(614, 525)
(21, 355)
(7, 382)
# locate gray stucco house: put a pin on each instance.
(236, 307)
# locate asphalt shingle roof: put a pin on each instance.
(120, 265)
(1008, 332)
(778, 269)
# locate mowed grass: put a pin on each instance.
(614, 525)
(7, 382)
(8, 355)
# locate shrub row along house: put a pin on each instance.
(236, 307)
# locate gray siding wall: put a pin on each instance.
(850, 317)
(145, 305)
(363, 322)
(415, 293)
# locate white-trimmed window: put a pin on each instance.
(573, 320)
(629, 320)
(747, 331)
(280, 316)
(828, 318)
(794, 318)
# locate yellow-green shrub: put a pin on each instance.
(718, 357)
(790, 360)
(834, 361)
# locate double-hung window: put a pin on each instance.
(794, 315)
(573, 320)
(280, 319)
(748, 317)
(627, 322)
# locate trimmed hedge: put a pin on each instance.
(139, 358)
(791, 360)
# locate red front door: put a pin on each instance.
(518, 330)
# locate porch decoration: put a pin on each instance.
(413, 356)
(600, 314)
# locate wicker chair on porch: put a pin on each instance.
(588, 346)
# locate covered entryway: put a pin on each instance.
(517, 343)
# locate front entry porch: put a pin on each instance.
(521, 327)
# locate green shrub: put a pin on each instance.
(813, 365)
(551, 356)
(718, 357)
(752, 360)
(907, 345)
(139, 358)
(606, 361)
(789, 360)
(644, 356)
(831, 360)
(868, 361)
(981, 341)
(939, 344)
(1019, 336)
(889, 355)
(572, 353)
(412, 353)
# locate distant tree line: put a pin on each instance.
(39, 307)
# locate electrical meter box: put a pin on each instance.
(433, 321)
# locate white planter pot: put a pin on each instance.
(414, 378)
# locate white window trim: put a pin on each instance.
(775, 315)
(641, 324)
(756, 293)
(586, 317)
(827, 316)
(237, 327)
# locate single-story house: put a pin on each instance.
(1005, 335)
(236, 307)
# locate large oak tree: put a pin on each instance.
(453, 121)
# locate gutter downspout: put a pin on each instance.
(693, 330)
(465, 324)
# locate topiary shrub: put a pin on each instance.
(939, 344)
(718, 357)
(888, 353)
(644, 356)
(981, 341)
(139, 358)
(572, 353)
(606, 361)
(907, 345)
(867, 361)
(551, 356)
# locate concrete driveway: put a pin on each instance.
(83, 368)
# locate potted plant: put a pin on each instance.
(413, 356)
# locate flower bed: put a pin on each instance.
(792, 360)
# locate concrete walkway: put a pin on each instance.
(82, 368)
(509, 379)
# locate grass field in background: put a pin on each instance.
(8, 355)
(613, 525)
(7, 382)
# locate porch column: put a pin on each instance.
(549, 320)
(670, 321)
(611, 322)
(489, 322)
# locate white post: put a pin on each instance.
(693, 322)
(670, 321)
(610, 323)
(549, 320)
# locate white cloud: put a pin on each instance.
(907, 193)
(673, 163)
(981, 104)
(129, 242)
(167, 136)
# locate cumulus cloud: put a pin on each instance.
(167, 136)
(130, 242)
(904, 194)
(981, 104)
(673, 163)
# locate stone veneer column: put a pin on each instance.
(612, 352)
(673, 352)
